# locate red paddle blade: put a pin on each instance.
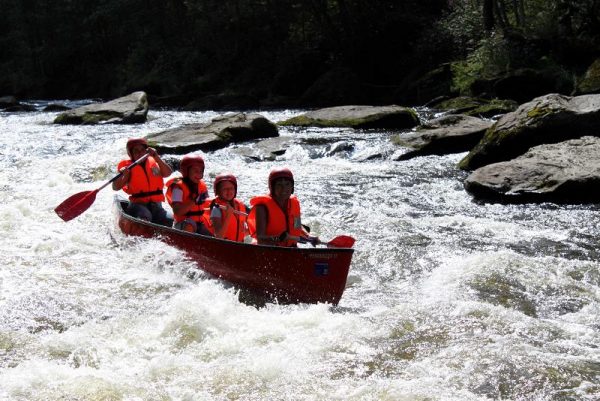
(341, 241)
(76, 204)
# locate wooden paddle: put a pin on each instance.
(341, 241)
(76, 204)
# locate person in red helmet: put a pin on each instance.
(188, 197)
(227, 213)
(275, 218)
(144, 183)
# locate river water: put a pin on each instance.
(447, 298)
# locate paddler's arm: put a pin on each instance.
(220, 216)
(306, 237)
(261, 227)
(165, 169)
(182, 207)
(122, 180)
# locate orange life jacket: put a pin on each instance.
(145, 181)
(197, 212)
(236, 225)
(278, 220)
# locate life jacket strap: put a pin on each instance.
(196, 213)
(145, 194)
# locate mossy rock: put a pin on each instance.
(86, 118)
(216, 134)
(130, 109)
(451, 133)
(548, 119)
(357, 117)
(476, 107)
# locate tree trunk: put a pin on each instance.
(518, 10)
(500, 12)
(488, 15)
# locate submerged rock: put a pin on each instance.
(357, 117)
(337, 148)
(217, 134)
(447, 134)
(56, 107)
(564, 172)
(504, 291)
(131, 109)
(8, 101)
(20, 108)
(547, 119)
(265, 150)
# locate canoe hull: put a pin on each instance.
(287, 275)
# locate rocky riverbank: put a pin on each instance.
(542, 150)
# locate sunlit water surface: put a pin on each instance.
(447, 299)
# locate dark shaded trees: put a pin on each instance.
(102, 48)
(274, 49)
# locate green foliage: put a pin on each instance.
(489, 58)
(462, 24)
(554, 36)
(277, 48)
(104, 48)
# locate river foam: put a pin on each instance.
(447, 299)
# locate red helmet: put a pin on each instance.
(225, 177)
(280, 172)
(132, 142)
(188, 161)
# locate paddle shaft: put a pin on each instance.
(132, 165)
(80, 202)
(341, 241)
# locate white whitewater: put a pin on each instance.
(447, 299)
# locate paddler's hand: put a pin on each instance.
(122, 180)
(198, 199)
(313, 240)
(126, 174)
(152, 152)
(227, 209)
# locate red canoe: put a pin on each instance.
(287, 275)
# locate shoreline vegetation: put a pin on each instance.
(249, 55)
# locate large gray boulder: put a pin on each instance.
(217, 134)
(447, 134)
(357, 117)
(130, 109)
(546, 119)
(565, 172)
